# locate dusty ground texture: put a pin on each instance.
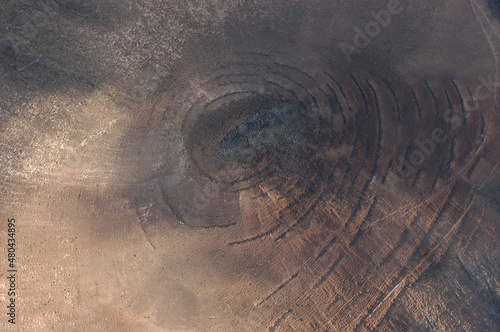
(250, 166)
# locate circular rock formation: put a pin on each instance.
(253, 166)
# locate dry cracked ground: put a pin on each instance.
(250, 165)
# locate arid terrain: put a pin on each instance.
(249, 165)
